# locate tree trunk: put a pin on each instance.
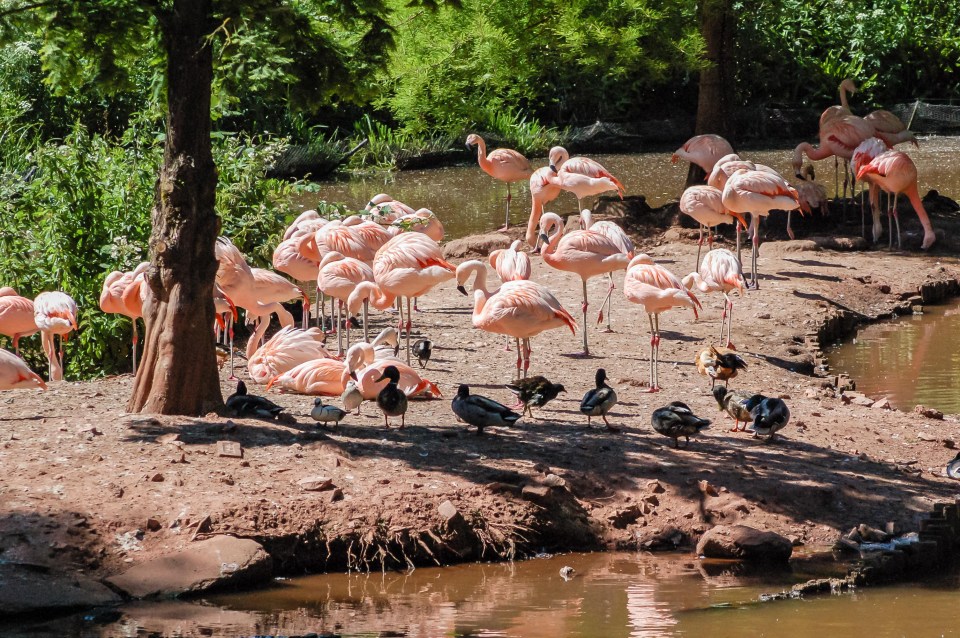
(178, 373)
(716, 96)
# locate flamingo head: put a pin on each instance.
(473, 140)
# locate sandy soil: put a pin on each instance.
(86, 486)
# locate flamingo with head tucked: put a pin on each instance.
(544, 188)
(584, 252)
(16, 316)
(720, 272)
(618, 236)
(338, 277)
(567, 167)
(657, 290)
(511, 264)
(704, 204)
(15, 373)
(112, 300)
(55, 314)
(703, 150)
(285, 350)
(504, 164)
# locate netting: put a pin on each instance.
(927, 117)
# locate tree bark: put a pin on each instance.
(178, 373)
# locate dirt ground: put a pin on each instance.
(88, 487)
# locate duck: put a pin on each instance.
(534, 392)
(769, 415)
(422, 349)
(391, 399)
(719, 364)
(676, 419)
(600, 400)
(481, 411)
(351, 397)
(953, 467)
(734, 404)
(326, 413)
(244, 404)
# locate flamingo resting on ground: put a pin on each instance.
(894, 172)
(757, 193)
(16, 316)
(585, 252)
(719, 272)
(55, 314)
(520, 309)
(285, 350)
(15, 373)
(657, 290)
(503, 164)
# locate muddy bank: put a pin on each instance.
(91, 490)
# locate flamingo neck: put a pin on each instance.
(482, 154)
(479, 272)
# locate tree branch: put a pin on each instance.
(27, 7)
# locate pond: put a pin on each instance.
(468, 201)
(912, 360)
(610, 595)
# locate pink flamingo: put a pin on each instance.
(409, 265)
(385, 208)
(111, 300)
(363, 295)
(55, 314)
(325, 377)
(584, 185)
(727, 166)
(895, 173)
(16, 316)
(285, 350)
(503, 164)
(272, 287)
(519, 309)
(422, 221)
(563, 165)
(719, 272)
(703, 150)
(757, 193)
(338, 277)
(365, 369)
(584, 252)
(863, 155)
(843, 108)
(15, 373)
(705, 205)
(657, 290)
(511, 264)
(890, 128)
(618, 236)
(303, 219)
(838, 137)
(544, 188)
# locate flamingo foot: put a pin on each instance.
(503, 229)
(730, 345)
(652, 389)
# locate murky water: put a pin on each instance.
(468, 201)
(610, 596)
(912, 359)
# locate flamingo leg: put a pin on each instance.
(730, 323)
(656, 361)
(348, 328)
(366, 332)
(230, 334)
(409, 326)
(737, 226)
(339, 332)
(836, 176)
(506, 223)
(526, 357)
(608, 303)
(135, 340)
(653, 339)
(586, 348)
(723, 320)
(699, 246)
(519, 366)
(789, 229)
(896, 219)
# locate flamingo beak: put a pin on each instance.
(461, 290)
(544, 238)
(353, 375)
(553, 168)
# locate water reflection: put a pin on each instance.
(911, 360)
(468, 201)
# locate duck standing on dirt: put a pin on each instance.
(719, 364)
(735, 404)
(391, 399)
(326, 413)
(677, 419)
(599, 400)
(244, 404)
(534, 392)
(422, 349)
(769, 415)
(351, 397)
(481, 411)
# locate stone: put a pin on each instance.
(316, 484)
(535, 492)
(336, 495)
(27, 589)
(552, 480)
(153, 524)
(745, 543)
(882, 404)
(448, 512)
(930, 413)
(624, 517)
(220, 562)
(230, 449)
(476, 245)
(157, 478)
(655, 487)
(866, 402)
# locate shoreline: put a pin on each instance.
(84, 493)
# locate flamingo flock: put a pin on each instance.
(384, 258)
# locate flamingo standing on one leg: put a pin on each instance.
(705, 205)
(111, 300)
(584, 252)
(15, 373)
(720, 272)
(757, 193)
(657, 290)
(835, 111)
(16, 316)
(55, 314)
(863, 155)
(544, 188)
(409, 265)
(520, 309)
(614, 233)
(895, 173)
(703, 150)
(503, 164)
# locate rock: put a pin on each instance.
(628, 516)
(567, 572)
(448, 512)
(157, 478)
(866, 402)
(230, 449)
(658, 539)
(552, 480)
(336, 495)
(746, 543)
(929, 438)
(872, 535)
(535, 492)
(705, 488)
(153, 524)
(26, 589)
(655, 487)
(316, 484)
(476, 245)
(930, 413)
(882, 404)
(220, 562)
